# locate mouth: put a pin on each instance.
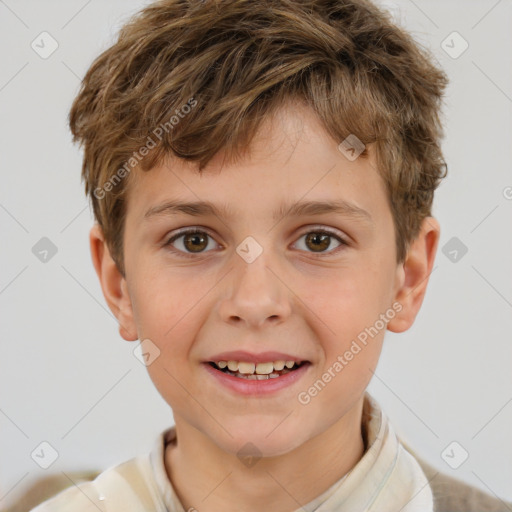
(259, 371)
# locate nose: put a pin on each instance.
(257, 295)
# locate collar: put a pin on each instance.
(387, 478)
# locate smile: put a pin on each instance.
(260, 379)
(259, 371)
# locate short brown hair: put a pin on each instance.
(239, 60)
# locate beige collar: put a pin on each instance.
(386, 479)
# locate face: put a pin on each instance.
(257, 277)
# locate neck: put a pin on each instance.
(205, 481)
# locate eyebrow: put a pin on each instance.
(304, 208)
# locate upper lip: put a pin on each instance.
(262, 357)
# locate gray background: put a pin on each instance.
(68, 378)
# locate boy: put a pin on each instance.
(262, 176)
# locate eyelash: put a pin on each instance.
(321, 231)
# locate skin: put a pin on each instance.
(292, 298)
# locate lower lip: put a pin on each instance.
(258, 387)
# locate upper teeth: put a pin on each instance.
(260, 368)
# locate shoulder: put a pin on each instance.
(453, 495)
(126, 487)
(82, 497)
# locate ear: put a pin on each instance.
(113, 284)
(414, 275)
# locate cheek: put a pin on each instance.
(164, 307)
(346, 309)
(346, 298)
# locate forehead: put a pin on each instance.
(291, 158)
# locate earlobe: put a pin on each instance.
(113, 284)
(415, 275)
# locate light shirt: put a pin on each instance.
(386, 479)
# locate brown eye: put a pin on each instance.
(320, 241)
(189, 242)
(195, 242)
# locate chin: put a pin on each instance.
(259, 441)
